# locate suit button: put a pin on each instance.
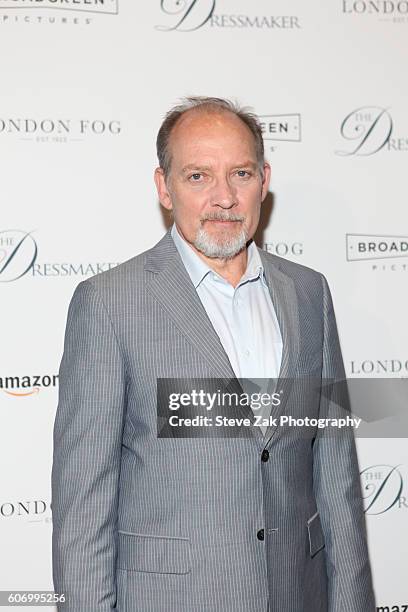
(261, 534)
(265, 455)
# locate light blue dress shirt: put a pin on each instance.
(243, 316)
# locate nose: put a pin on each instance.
(223, 194)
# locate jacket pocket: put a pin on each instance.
(150, 553)
(315, 533)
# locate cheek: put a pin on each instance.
(193, 203)
(250, 198)
(188, 208)
(189, 195)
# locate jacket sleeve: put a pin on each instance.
(86, 457)
(337, 485)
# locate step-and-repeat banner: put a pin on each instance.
(84, 87)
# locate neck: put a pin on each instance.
(230, 269)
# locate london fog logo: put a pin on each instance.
(382, 487)
(379, 366)
(33, 510)
(191, 15)
(386, 10)
(58, 130)
(19, 257)
(284, 249)
(368, 130)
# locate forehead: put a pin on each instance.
(200, 135)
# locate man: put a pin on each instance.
(268, 520)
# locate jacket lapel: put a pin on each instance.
(172, 287)
(285, 301)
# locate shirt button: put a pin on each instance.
(260, 535)
(247, 353)
(265, 455)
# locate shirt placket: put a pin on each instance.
(242, 323)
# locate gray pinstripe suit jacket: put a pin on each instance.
(170, 525)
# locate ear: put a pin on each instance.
(162, 191)
(266, 180)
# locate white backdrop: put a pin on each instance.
(84, 86)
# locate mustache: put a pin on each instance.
(222, 216)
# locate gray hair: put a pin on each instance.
(206, 104)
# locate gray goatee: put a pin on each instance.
(227, 244)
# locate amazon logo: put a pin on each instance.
(25, 386)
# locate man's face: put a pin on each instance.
(215, 188)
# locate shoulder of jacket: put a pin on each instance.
(129, 271)
(298, 272)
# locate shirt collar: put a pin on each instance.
(195, 266)
(198, 269)
(255, 267)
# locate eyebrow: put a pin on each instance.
(245, 164)
(194, 167)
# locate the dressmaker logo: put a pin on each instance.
(27, 386)
(382, 487)
(57, 129)
(19, 258)
(185, 15)
(369, 130)
(18, 253)
(191, 15)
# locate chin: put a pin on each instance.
(224, 245)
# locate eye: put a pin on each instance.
(195, 177)
(243, 173)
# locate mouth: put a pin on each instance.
(222, 222)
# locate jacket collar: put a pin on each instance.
(172, 286)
